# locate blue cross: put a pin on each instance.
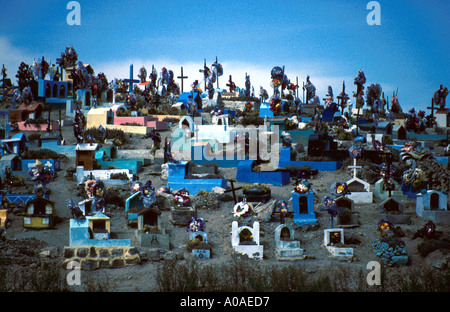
(130, 81)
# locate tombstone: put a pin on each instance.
(381, 192)
(100, 226)
(303, 208)
(40, 213)
(359, 189)
(150, 232)
(286, 248)
(432, 205)
(347, 217)
(392, 210)
(333, 240)
(245, 240)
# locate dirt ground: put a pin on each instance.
(218, 226)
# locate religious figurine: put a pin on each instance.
(263, 95)
(310, 90)
(142, 74)
(286, 139)
(131, 101)
(247, 85)
(317, 120)
(440, 95)
(395, 106)
(275, 104)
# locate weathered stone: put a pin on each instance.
(117, 263)
(117, 252)
(104, 264)
(104, 253)
(89, 265)
(92, 252)
(82, 252)
(69, 252)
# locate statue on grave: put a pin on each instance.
(298, 107)
(142, 74)
(24, 75)
(131, 101)
(153, 80)
(43, 68)
(359, 81)
(263, 95)
(27, 96)
(395, 106)
(317, 120)
(167, 82)
(81, 77)
(53, 73)
(247, 85)
(68, 58)
(275, 104)
(329, 99)
(373, 94)
(310, 90)
(36, 69)
(277, 75)
(286, 139)
(440, 95)
(413, 122)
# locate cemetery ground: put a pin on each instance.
(24, 253)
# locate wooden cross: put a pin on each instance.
(233, 189)
(130, 81)
(182, 78)
(432, 107)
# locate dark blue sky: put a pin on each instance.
(328, 40)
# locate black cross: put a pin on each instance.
(182, 78)
(432, 107)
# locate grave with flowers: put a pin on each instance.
(198, 239)
(246, 240)
(303, 204)
(390, 249)
(359, 190)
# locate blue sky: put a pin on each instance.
(328, 40)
